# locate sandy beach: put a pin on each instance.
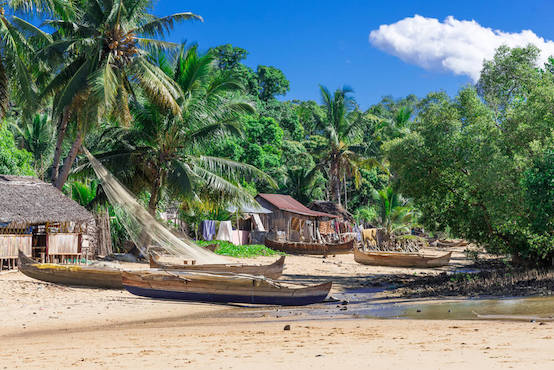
(51, 326)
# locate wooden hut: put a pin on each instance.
(291, 220)
(40, 220)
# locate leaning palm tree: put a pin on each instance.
(99, 56)
(163, 150)
(341, 155)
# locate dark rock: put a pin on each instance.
(344, 303)
(287, 327)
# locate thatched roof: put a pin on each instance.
(25, 199)
(332, 208)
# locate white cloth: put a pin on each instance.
(258, 222)
(225, 231)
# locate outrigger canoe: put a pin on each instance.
(397, 259)
(221, 288)
(272, 271)
(98, 277)
(324, 249)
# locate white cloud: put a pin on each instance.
(452, 45)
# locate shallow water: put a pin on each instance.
(362, 304)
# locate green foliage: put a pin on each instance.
(271, 82)
(13, 161)
(482, 168)
(241, 251)
(82, 193)
(37, 137)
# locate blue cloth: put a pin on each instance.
(208, 229)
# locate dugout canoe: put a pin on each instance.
(272, 271)
(219, 288)
(324, 249)
(80, 275)
(396, 259)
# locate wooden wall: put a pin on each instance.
(11, 243)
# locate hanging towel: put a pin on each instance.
(259, 226)
(358, 233)
(325, 227)
(208, 229)
(225, 231)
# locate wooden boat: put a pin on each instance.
(70, 274)
(222, 288)
(397, 259)
(272, 271)
(311, 248)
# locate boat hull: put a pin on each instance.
(400, 259)
(310, 248)
(222, 289)
(70, 274)
(272, 271)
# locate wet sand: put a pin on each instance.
(49, 326)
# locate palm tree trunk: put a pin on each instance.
(68, 163)
(334, 182)
(62, 126)
(155, 194)
(345, 193)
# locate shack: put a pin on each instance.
(252, 225)
(41, 221)
(291, 220)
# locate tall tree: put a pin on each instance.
(98, 54)
(341, 154)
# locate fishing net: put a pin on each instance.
(149, 235)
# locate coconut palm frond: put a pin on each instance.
(233, 169)
(160, 26)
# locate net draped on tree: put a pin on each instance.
(149, 235)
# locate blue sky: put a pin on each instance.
(327, 42)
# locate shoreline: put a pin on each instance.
(52, 326)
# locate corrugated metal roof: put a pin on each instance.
(253, 208)
(289, 204)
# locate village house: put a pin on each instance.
(291, 220)
(43, 223)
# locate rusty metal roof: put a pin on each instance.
(289, 204)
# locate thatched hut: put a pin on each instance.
(40, 220)
(331, 208)
(292, 220)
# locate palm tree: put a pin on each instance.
(36, 137)
(164, 149)
(19, 41)
(341, 155)
(394, 213)
(301, 183)
(98, 54)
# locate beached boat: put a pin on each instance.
(221, 288)
(98, 277)
(397, 259)
(311, 248)
(272, 271)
